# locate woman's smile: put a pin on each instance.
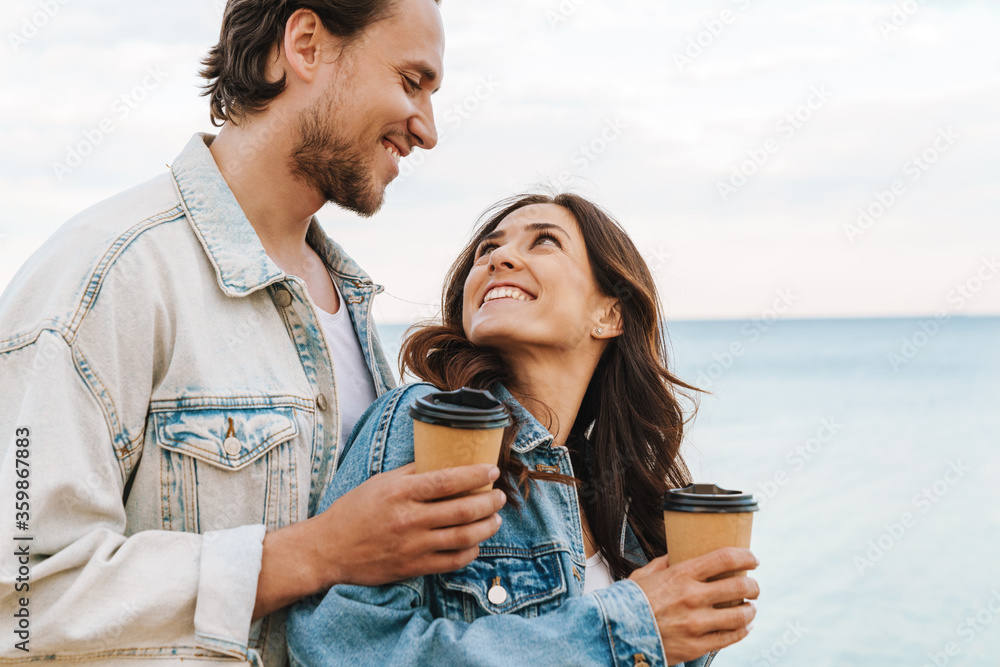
(506, 292)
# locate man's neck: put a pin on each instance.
(253, 159)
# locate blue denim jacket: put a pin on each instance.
(181, 401)
(537, 557)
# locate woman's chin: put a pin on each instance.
(499, 336)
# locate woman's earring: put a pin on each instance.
(600, 331)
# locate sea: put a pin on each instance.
(873, 448)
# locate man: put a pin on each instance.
(182, 364)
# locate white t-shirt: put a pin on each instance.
(355, 386)
(598, 575)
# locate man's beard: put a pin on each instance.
(331, 166)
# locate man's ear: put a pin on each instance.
(610, 320)
(307, 46)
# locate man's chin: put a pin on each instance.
(366, 205)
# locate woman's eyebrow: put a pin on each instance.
(495, 234)
(532, 227)
(544, 226)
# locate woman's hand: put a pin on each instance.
(682, 600)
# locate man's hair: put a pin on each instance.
(236, 67)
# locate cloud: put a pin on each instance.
(525, 97)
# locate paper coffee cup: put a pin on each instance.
(701, 518)
(458, 428)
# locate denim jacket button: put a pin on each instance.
(283, 298)
(322, 403)
(497, 595)
(232, 446)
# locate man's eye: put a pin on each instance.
(411, 85)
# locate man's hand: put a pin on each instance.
(389, 528)
(682, 600)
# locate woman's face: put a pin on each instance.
(531, 287)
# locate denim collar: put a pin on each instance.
(229, 240)
(531, 434)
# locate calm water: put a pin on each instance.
(880, 532)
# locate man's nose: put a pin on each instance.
(422, 126)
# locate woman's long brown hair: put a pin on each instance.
(626, 439)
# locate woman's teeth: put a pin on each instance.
(506, 293)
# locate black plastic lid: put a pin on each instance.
(708, 498)
(464, 408)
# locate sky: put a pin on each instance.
(812, 159)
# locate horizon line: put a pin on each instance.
(818, 318)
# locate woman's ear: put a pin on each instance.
(609, 324)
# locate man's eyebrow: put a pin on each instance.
(425, 71)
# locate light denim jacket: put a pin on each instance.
(156, 353)
(537, 558)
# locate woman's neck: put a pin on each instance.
(552, 390)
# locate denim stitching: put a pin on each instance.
(100, 392)
(111, 254)
(515, 603)
(19, 341)
(151, 652)
(607, 628)
(216, 265)
(190, 510)
(166, 516)
(382, 431)
(235, 401)
(181, 447)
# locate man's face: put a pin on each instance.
(376, 109)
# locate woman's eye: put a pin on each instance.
(548, 237)
(485, 249)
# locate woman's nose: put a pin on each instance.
(504, 257)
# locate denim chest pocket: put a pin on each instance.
(226, 438)
(226, 466)
(522, 583)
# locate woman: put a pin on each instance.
(552, 308)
